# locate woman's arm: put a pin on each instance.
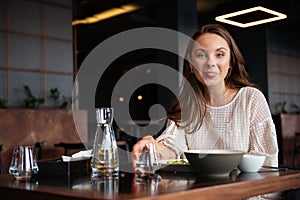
(173, 138)
(263, 138)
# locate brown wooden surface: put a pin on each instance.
(26, 127)
(171, 186)
(290, 123)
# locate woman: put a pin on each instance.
(224, 111)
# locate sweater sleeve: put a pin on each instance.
(173, 138)
(263, 139)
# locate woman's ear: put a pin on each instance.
(192, 69)
(189, 60)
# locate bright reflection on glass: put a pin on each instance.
(278, 16)
(109, 187)
(140, 97)
(148, 185)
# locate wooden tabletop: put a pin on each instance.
(168, 186)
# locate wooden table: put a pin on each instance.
(171, 186)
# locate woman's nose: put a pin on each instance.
(211, 61)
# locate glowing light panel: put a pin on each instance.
(224, 18)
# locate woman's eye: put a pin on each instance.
(220, 55)
(201, 55)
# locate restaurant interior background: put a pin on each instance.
(40, 48)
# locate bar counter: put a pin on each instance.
(167, 185)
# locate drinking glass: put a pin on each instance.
(148, 162)
(23, 164)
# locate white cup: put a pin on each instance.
(251, 163)
(23, 164)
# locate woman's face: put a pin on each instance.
(210, 59)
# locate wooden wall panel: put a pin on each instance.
(26, 127)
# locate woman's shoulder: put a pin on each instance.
(251, 93)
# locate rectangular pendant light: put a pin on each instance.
(272, 16)
(107, 14)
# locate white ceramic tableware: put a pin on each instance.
(251, 163)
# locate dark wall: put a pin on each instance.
(181, 15)
(253, 44)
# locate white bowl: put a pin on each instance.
(251, 163)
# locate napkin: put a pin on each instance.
(81, 155)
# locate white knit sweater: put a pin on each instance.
(243, 124)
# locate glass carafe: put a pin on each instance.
(105, 161)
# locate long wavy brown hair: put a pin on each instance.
(189, 110)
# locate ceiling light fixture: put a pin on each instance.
(107, 14)
(224, 18)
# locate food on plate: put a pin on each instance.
(178, 162)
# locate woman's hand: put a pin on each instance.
(140, 146)
(161, 150)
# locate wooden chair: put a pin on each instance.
(296, 147)
(39, 147)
